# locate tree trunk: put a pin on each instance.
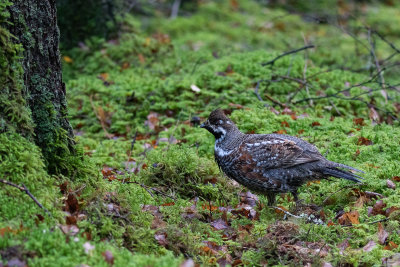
(34, 24)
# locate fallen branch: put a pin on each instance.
(23, 188)
(267, 96)
(271, 62)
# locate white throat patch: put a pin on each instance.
(223, 133)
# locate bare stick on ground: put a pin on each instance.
(271, 62)
(26, 190)
(147, 188)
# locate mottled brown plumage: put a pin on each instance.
(269, 163)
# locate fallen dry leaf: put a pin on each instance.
(15, 262)
(361, 201)
(349, 218)
(342, 246)
(67, 59)
(142, 59)
(391, 246)
(88, 247)
(152, 121)
(71, 204)
(209, 208)
(248, 198)
(373, 114)
(391, 261)
(219, 224)
(281, 132)
(108, 257)
(369, 246)
(390, 210)
(390, 184)
(69, 229)
(382, 234)
(359, 121)
(168, 204)
(362, 141)
(377, 208)
(161, 239)
(284, 124)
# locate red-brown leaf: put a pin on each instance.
(284, 124)
(71, 204)
(391, 246)
(168, 204)
(364, 141)
(349, 218)
(377, 208)
(359, 121)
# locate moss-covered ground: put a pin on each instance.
(151, 193)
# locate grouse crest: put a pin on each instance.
(269, 163)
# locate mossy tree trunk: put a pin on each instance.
(34, 24)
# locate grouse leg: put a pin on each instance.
(295, 196)
(298, 202)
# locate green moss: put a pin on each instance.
(21, 163)
(14, 113)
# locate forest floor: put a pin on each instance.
(152, 194)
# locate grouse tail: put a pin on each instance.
(335, 170)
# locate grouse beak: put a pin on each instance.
(204, 124)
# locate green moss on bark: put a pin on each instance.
(14, 113)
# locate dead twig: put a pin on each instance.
(271, 62)
(23, 188)
(337, 191)
(258, 95)
(133, 141)
(378, 67)
(79, 189)
(147, 188)
(305, 72)
(378, 221)
(267, 96)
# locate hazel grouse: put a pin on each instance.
(269, 163)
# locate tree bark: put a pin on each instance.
(34, 24)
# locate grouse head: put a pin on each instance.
(219, 124)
